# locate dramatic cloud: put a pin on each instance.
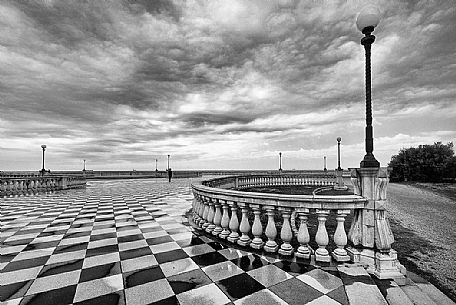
(219, 84)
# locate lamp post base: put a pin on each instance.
(369, 161)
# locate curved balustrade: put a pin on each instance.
(33, 184)
(217, 202)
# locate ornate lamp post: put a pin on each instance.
(44, 148)
(280, 161)
(367, 20)
(339, 180)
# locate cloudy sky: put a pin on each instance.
(219, 84)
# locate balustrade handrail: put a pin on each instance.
(33, 184)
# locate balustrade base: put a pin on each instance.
(271, 249)
(340, 258)
(217, 231)
(286, 252)
(243, 243)
(257, 246)
(387, 266)
(224, 234)
(304, 252)
(322, 258)
(232, 239)
(210, 228)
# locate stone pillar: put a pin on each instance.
(271, 231)
(286, 234)
(244, 240)
(217, 219)
(370, 231)
(234, 223)
(322, 238)
(340, 237)
(225, 220)
(304, 250)
(257, 228)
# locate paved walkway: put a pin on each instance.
(129, 242)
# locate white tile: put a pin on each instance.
(165, 247)
(149, 292)
(54, 282)
(178, 266)
(73, 241)
(102, 242)
(98, 287)
(100, 260)
(206, 295)
(66, 256)
(138, 263)
(133, 245)
(34, 254)
(19, 275)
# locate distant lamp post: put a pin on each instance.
(339, 179)
(156, 166)
(168, 163)
(84, 169)
(280, 161)
(338, 153)
(44, 148)
(367, 20)
(324, 164)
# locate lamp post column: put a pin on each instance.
(44, 148)
(84, 165)
(369, 159)
(280, 161)
(168, 163)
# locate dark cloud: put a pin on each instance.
(119, 80)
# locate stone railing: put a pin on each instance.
(242, 182)
(271, 226)
(31, 184)
(212, 206)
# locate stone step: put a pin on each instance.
(431, 294)
(359, 286)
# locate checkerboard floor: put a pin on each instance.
(129, 242)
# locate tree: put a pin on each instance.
(426, 163)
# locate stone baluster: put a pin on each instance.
(271, 230)
(195, 208)
(234, 223)
(322, 239)
(304, 250)
(204, 223)
(257, 228)
(340, 237)
(225, 221)
(217, 219)
(244, 240)
(210, 217)
(286, 234)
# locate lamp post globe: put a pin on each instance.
(366, 22)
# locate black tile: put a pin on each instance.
(294, 291)
(127, 228)
(128, 238)
(159, 240)
(143, 276)
(60, 296)
(102, 236)
(5, 258)
(168, 301)
(135, 253)
(60, 224)
(151, 229)
(70, 248)
(105, 226)
(102, 250)
(217, 245)
(115, 298)
(188, 280)
(52, 233)
(208, 259)
(339, 295)
(170, 256)
(76, 234)
(26, 263)
(250, 262)
(81, 225)
(239, 286)
(61, 267)
(25, 231)
(15, 290)
(43, 245)
(99, 272)
(294, 268)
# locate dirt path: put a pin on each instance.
(424, 227)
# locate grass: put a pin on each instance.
(446, 189)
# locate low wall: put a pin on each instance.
(31, 184)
